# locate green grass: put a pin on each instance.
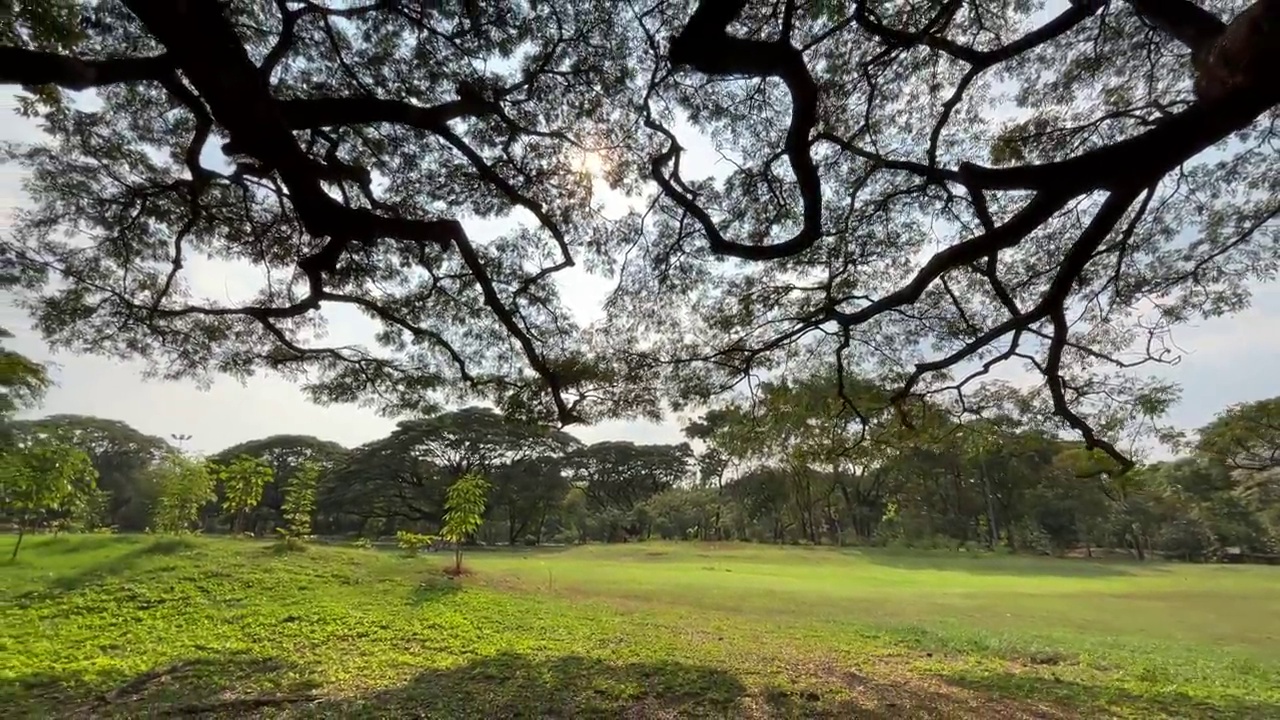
(146, 627)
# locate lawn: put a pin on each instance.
(132, 626)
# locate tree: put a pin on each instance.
(463, 513)
(405, 475)
(285, 454)
(186, 485)
(525, 493)
(1245, 436)
(922, 193)
(616, 476)
(22, 380)
(242, 482)
(123, 458)
(41, 476)
(300, 500)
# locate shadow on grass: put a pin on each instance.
(230, 686)
(116, 565)
(1103, 700)
(502, 686)
(573, 686)
(979, 563)
(517, 686)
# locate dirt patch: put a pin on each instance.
(826, 688)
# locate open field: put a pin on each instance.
(143, 626)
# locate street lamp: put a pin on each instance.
(181, 439)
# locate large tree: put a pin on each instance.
(922, 190)
(1245, 436)
(123, 457)
(405, 475)
(617, 474)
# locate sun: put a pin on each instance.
(590, 162)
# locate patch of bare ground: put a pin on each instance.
(826, 688)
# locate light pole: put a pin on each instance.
(181, 439)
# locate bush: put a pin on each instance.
(363, 543)
(412, 543)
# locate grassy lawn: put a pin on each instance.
(134, 626)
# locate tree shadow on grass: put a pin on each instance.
(518, 686)
(1104, 700)
(116, 565)
(979, 563)
(235, 685)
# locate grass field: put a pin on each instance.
(101, 626)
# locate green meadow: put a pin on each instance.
(142, 626)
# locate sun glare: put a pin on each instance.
(590, 162)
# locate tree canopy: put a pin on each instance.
(22, 380)
(1245, 436)
(920, 191)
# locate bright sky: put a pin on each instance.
(1226, 361)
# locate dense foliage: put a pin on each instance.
(186, 486)
(242, 482)
(915, 191)
(911, 195)
(43, 479)
(794, 465)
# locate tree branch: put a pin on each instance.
(30, 68)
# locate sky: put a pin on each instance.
(1225, 361)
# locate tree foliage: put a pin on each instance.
(242, 482)
(919, 191)
(1245, 436)
(186, 486)
(123, 458)
(43, 476)
(22, 380)
(464, 508)
(406, 474)
(285, 455)
(300, 499)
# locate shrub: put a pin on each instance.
(412, 543)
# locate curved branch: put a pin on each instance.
(705, 45)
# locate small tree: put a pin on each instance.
(185, 486)
(300, 502)
(243, 481)
(40, 476)
(463, 512)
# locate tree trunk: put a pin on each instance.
(993, 532)
(457, 558)
(21, 530)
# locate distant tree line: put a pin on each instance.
(813, 461)
(797, 468)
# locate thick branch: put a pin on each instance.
(705, 45)
(1139, 160)
(29, 68)
(205, 46)
(1182, 20)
